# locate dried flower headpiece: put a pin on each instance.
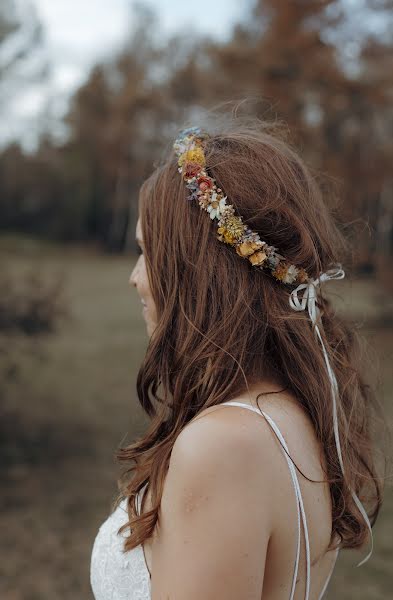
(189, 148)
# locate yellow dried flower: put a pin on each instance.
(196, 155)
(235, 226)
(225, 236)
(247, 248)
(258, 258)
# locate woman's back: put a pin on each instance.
(282, 416)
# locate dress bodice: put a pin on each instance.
(114, 574)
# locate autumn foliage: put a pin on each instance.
(303, 63)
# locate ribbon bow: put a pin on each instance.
(308, 301)
(309, 297)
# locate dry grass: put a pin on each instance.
(73, 404)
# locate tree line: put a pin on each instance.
(303, 61)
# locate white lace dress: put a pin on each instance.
(116, 575)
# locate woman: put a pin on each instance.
(258, 447)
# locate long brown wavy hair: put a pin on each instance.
(222, 325)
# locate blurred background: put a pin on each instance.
(91, 93)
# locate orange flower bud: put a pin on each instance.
(258, 258)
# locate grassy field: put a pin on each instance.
(74, 402)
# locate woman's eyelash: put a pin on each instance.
(139, 249)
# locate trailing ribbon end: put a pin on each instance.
(308, 300)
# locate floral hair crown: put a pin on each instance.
(189, 148)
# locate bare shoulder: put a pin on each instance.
(224, 496)
(231, 438)
(235, 437)
(225, 452)
(216, 469)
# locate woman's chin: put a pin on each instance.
(150, 324)
(149, 327)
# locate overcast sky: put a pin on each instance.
(80, 32)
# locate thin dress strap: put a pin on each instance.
(299, 501)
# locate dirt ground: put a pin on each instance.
(73, 403)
